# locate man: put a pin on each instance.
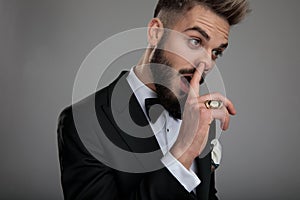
(162, 145)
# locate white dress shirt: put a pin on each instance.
(166, 130)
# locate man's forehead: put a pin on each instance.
(206, 19)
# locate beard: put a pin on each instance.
(164, 77)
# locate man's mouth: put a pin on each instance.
(186, 80)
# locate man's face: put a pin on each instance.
(200, 36)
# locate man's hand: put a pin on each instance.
(196, 120)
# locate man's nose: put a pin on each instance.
(206, 58)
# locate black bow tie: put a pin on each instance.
(154, 108)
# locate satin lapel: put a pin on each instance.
(127, 117)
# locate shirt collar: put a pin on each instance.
(141, 91)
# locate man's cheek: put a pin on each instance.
(180, 54)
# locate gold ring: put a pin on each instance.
(213, 104)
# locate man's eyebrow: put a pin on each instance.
(224, 46)
(199, 30)
(205, 35)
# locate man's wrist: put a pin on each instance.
(184, 158)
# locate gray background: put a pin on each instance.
(44, 42)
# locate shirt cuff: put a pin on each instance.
(188, 179)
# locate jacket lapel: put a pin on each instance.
(127, 117)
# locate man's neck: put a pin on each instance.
(143, 72)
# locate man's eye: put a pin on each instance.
(194, 43)
(216, 54)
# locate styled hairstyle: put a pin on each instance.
(234, 11)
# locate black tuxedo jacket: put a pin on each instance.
(90, 168)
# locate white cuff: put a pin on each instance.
(188, 179)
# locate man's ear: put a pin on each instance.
(155, 32)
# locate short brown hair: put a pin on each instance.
(233, 11)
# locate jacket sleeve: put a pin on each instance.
(84, 177)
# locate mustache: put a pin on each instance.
(190, 71)
(187, 71)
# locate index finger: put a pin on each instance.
(194, 83)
